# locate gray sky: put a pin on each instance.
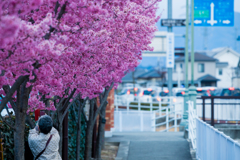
(179, 11)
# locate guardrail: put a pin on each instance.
(157, 118)
(209, 143)
(192, 123)
(169, 114)
(152, 104)
(219, 109)
(213, 144)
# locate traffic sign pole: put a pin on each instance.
(184, 122)
(170, 30)
(192, 44)
(192, 89)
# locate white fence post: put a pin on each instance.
(120, 121)
(175, 120)
(167, 125)
(153, 121)
(139, 104)
(116, 102)
(151, 105)
(141, 116)
(160, 107)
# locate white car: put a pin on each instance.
(4, 112)
(127, 95)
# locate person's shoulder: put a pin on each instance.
(54, 131)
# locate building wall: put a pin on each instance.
(110, 111)
(236, 82)
(226, 78)
(209, 68)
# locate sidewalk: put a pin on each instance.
(154, 145)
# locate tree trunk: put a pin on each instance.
(60, 131)
(20, 116)
(89, 132)
(79, 133)
(101, 130)
(19, 136)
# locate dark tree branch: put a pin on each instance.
(6, 89)
(67, 100)
(3, 119)
(9, 95)
(103, 102)
(66, 110)
(56, 8)
(30, 122)
(62, 11)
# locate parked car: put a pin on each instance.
(127, 95)
(205, 91)
(178, 92)
(226, 92)
(147, 95)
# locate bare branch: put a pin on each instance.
(30, 122)
(66, 110)
(67, 100)
(9, 95)
(3, 119)
(103, 102)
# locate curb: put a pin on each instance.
(123, 149)
(192, 151)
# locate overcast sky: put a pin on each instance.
(179, 10)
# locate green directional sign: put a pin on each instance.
(201, 14)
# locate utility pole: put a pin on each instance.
(184, 122)
(192, 89)
(192, 42)
(170, 30)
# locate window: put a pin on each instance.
(175, 67)
(181, 65)
(220, 71)
(200, 67)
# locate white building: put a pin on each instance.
(204, 70)
(228, 60)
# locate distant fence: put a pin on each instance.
(153, 104)
(209, 143)
(134, 121)
(219, 109)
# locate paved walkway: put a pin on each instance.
(154, 145)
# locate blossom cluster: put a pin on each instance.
(67, 44)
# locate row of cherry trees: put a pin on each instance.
(55, 51)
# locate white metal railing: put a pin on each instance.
(213, 144)
(151, 103)
(224, 109)
(133, 121)
(209, 143)
(168, 115)
(158, 117)
(192, 123)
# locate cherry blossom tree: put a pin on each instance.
(68, 48)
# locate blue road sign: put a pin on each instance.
(213, 13)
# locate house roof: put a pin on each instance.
(128, 77)
(208, 78)
(197, 57)
(216, 51)
(150, 74)
(221, 64)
